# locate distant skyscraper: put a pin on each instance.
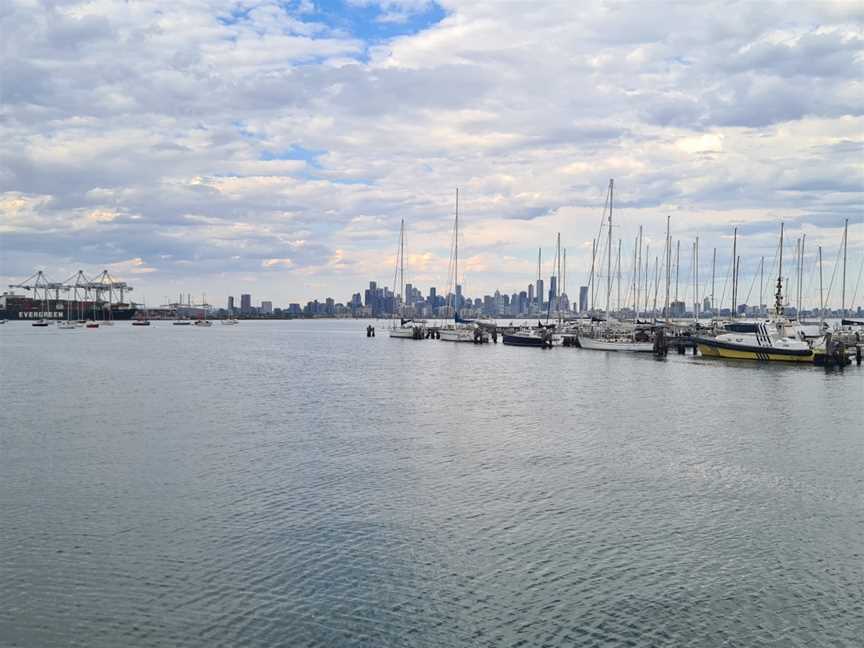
(538, 293)
(583, 299)
(231, 304)
(553, 289)
(266, 307)
(530, 293)
(245, 303)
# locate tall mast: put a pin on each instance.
(638, 287)
(402, 265)
(456, 259)
(798, 276)
(734, 272)
(843, 290)
(693, 276)
(618, 301)
(821, 299)
(696, 281)
(558, 272)
(801, 295)
(667, 261)
(647, 262)
(609, 252)
(677, 266)
(778, 296)
(633, 277)
(591, 282)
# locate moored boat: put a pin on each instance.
(538, 338)
(775, 340)
(628, 345)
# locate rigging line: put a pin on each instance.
(752, 285)
(857, 284)
(833, 275)
(725, 282)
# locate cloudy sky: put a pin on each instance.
(273, 147)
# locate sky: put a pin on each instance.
(273, 148)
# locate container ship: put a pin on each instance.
(23, 307)
(99, 298)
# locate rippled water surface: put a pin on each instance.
(297, 484)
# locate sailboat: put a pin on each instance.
(67, 324)
(772, 340)
(461, 330)
(142, 321)
(204, 321)
(608, 336)
(407, 329)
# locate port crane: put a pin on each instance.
(38, 283)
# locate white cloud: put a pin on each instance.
(213, 141)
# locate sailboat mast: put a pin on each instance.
(677, 266)
(821, 298)
(456, 259)
(668, 269)
(609, 252)
(778, 296)
(647, 263)
(638, 283)
(845, 246)
(618, 301)
(558, 289)
(402, 266)
(734, 272)
(591, 282)
(696, 282)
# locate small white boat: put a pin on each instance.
(92, 325)
(66, 325)
(613, 344)
(203, 322)
(40, 323)
(456, 333)
(230, 322)
(2, 321)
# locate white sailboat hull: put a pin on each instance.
(596, 344)
(456, 335)
(403, 332)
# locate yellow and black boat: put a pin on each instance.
(772, 340)
(769, 341)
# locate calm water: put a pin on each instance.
(297, 484)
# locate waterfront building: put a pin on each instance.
(266, 308)
(246, 304)
(583, 299)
